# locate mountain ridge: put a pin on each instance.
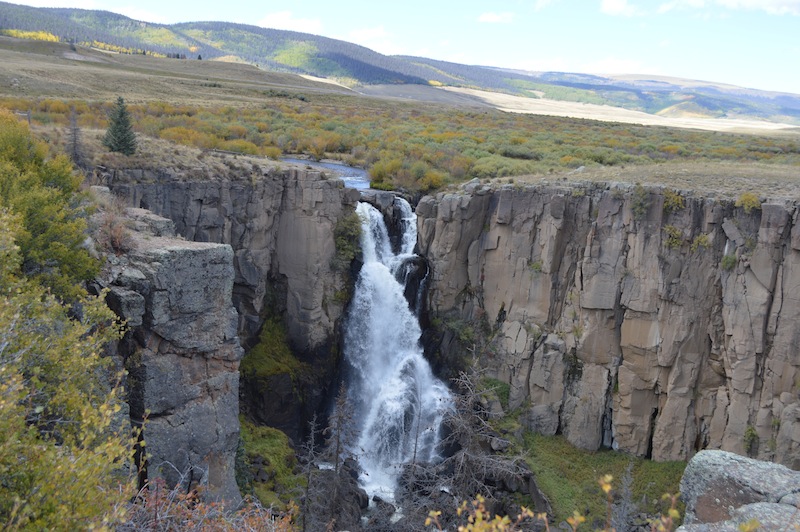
(356, 65)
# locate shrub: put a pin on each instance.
(673, 201)
(500, 388)
(674, 236)
(42, 193)
(748, 201)
(729, 262)
(347, 236)
(66, 451)
(640, 201)
(700, 241)
(750, 440)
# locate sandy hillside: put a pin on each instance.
(520, 104)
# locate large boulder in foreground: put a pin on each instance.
(723, 490)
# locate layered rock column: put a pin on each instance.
(182, 354)
(281, 225)
(621, 321)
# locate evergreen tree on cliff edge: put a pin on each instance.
(120, 136)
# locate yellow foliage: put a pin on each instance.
(32, 35)
(749, 201)
(65, 456)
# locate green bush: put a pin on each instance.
(43, 192)
(347, 236)
(500, 388)
(673, 201)
(640, 201)
(271, 355)
(674, 236)
(749, 202)
(729, 262)
(65, 451)
(700, 241)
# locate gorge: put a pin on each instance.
(639, 318)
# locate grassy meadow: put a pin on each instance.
(407, 145)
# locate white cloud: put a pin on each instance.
(505, 17)
(773, 7)
(284, 20)
(541, 4)
(681, 4)
(617, 8)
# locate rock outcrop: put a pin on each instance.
(281, 225)
(182, 354)
(723, 491)
(627, 317)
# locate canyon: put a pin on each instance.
(618, 315)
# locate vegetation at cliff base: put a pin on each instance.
(270, 463)
(568, 476)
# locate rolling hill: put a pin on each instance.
(354, 65)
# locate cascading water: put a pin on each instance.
(398, 404)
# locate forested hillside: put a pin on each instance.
(303, 53)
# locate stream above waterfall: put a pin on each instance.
(398, 403)
(353, 177)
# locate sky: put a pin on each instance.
(750, 43)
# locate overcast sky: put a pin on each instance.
(751, 43)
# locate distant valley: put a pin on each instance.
(403, 76)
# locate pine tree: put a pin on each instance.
(119, 136)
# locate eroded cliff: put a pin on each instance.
(627, 317)
(280, 225)
(182, 354)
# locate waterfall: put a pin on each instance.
(398, 403)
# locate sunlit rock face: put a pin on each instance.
(620, 319)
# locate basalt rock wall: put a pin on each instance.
(280, 225)
(625, 316)
(181, 352)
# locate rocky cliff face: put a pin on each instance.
(280, 224)
(627, 317)
(182, 354)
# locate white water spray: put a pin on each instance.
(399, 405)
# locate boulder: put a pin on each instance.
(723, 490)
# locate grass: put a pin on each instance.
(270, 447)
(420, 146)
(271, 355)
(569, 477)
(499, 388)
